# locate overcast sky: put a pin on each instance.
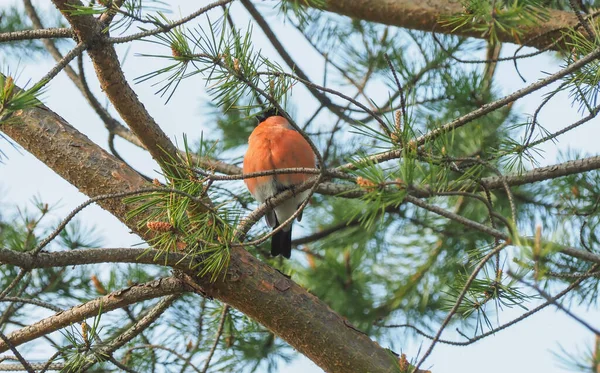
(525, 347)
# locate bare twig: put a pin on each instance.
(48, 33)
(550, 299)
(217, 337)
(32, 301)
(20, 357)
(159, 347)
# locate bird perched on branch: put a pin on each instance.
(274, 144)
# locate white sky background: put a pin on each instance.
(522, 348)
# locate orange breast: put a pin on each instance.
(273, 146)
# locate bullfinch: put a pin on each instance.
(274, 144)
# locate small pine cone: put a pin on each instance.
(98, 285)
(174, 51)
(365, 183)
(400, 183)
(189, 347)
(229, 339)
(347, 256)
(403, 363)
(395, 138)
(181, 246)
(159, 226)
(156, 183)
(398, 120)
(236, 64)
(9, 86)
(127, 357)
(310, 258)
(412, 145)
(84, 332)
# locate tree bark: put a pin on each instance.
(426, 16)
(249, 285)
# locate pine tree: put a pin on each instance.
(430, 207)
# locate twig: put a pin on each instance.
(458, 218)
(134, 330)
(102, 197)
(48, 364)
(458, 302)
(12, 347)
(47, 33)
(159, 347)
(550, 299)
(166, 28)
(14, 283)
(325, 232)
(35, 366)
(112, 301)
(262, 23)
(400, 90)
(31, 301)
(503, 326)
(64, 62)
(217, 337)
(485, 109)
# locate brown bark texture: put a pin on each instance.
(426, 16)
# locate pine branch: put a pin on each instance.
(168, 27)
(48, 33)
(249, 285)
(426, 16)
(550, 299)
(485, 109)
(217, 337)
(49, 44)
(134, 330)
(35, 302)
(287, 58)
(13, 348)
(114, 84)
(459, 300)
(34, 366)
(80, 82)
(112, 301)
(164, 348)
(524, 316)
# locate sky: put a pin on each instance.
(526, 347)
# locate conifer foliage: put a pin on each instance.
(433, 206)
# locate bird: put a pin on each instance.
(275, 144)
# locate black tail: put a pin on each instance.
(281, 243)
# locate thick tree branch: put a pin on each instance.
(113, 83)
(426, 16)
(250, 285)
